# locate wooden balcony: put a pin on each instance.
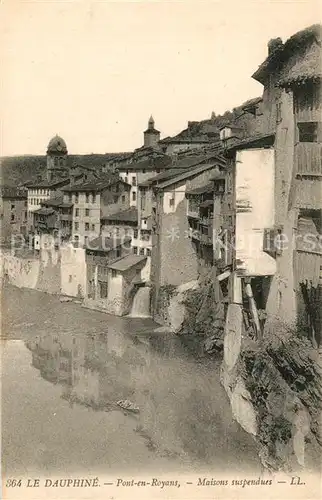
(308, 158)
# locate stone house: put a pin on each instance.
(175, 259)
(100, 252)
(93, 200)
(13, 212)
(274, 185)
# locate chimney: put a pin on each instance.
(274, 44)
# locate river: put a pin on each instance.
(65, 367)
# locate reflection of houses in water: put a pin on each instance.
(95, 370)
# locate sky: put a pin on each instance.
(94, 71)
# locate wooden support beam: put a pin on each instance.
(253, 310)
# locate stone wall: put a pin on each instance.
(53, 271)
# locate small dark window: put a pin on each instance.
(133, 181)
(141, 251)
(134, 196)
(86, 226)
(103, 289)
(135, 250)
(76, 226)
(94, 198)
(76, 212)
(12, 217)
(86, 212)
(93, 227)
(148, 252)
(123, 198)
(135, 233)
(171, 202)
(114, 273)
(118, 252)
(76, 198)
(278, 112)
(12, 206)
(308, 132)
(87, 198)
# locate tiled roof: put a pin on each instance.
(99, 185)
(130, 215)
(44, 211)
(155, 163)
(48, 184)
(283, 52)
(105, 243)
(198, 169)
(258, 140)
(12, 192)
(206, 188)
(127, 262)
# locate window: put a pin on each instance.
(87, 198)
(86, 226)
(123, 198)
(135, 233)
(143, 200)
(25, 215)
(103, 289)
(76, 212)
(141, 251)
(278, 112)
(94, 198)
(171, 202)
(133, 181)
(76, 198)
(148, 252)
(114, 273)
(87, 212)
(134, 196)
(76, 240)
(135, 250)
(76, 226)
(86, 241)
(308, 131)
(26, 203)
(143, 171)
(12, 217)
(93, 227)
(115, 198)
(118, 252)
(12, 206)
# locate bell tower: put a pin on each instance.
(151, 135)
(57, 155)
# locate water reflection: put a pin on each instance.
(183, 409)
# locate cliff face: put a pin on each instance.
(275, 390)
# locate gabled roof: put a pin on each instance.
(129, 215)
(127, 262)
(186, 175)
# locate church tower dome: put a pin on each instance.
(56, 158)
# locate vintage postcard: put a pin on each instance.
(161, 249)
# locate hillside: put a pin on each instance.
(19, 169)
